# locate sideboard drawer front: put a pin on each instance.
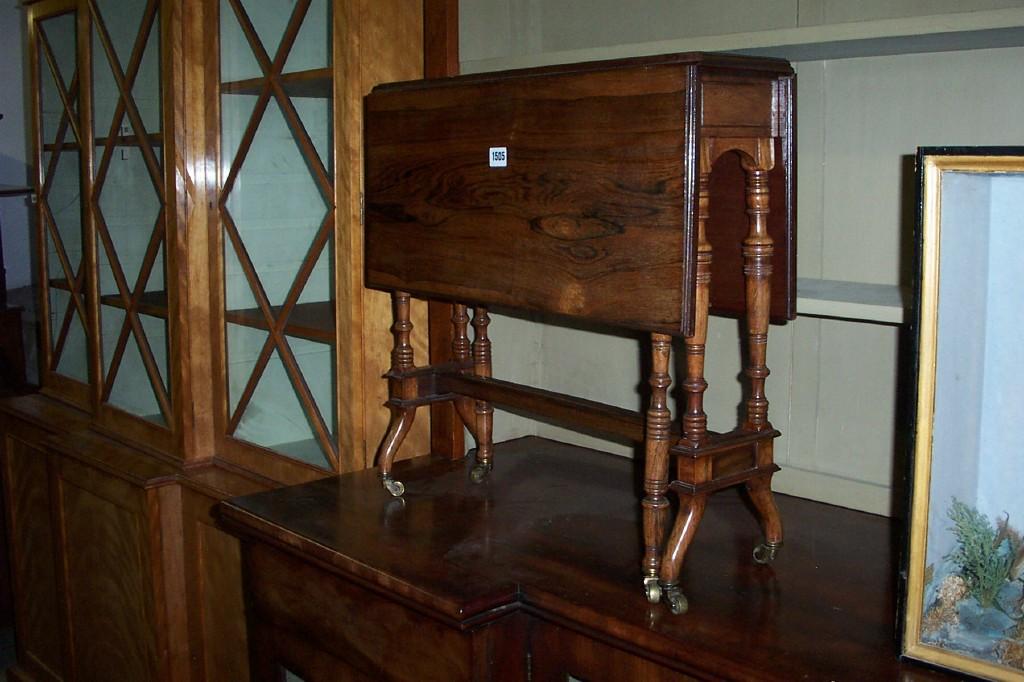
(376, 636)
(738, 104)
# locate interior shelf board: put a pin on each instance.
(307, 450)
(152, 303)
(63, 146)
(60, 283)
(156, 138)
(14, 190)
(883, 303)
(130, 140)
(904, 35)
(310, 83)
(313, 321)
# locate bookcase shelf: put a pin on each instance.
(309, 83)
(152, 303)
(313, 321)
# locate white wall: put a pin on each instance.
(833, 385)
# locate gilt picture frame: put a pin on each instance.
(964, 590)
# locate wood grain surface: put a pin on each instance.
(593, 215)
(32, 553)
(555, 533)
(111, 615)
(586, 214)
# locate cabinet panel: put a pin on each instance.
(561, 654)
(33, 568)
(110, 614)
(223, 607)
(217, 634)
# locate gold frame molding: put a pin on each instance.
(933, 163)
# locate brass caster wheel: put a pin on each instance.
(765, 552)
(676, 600)
(396, 488)
(652, 589)
(478, 473)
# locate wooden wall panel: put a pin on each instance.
(32, 554)
(110, 615)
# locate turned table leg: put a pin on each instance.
(695, 420)
(757, 269)
(461, 353)
(484, 410)
(402, 360)
(656, 444)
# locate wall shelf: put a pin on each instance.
(859, 301)
(906, 35)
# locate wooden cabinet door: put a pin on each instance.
(33, 557)
(123, 588)
(304, 344)
(62, 243)
(130, 212)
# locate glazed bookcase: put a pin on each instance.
(204, 328)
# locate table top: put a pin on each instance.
(556, 530)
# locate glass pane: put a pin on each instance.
(312, 111)
(132, 390)
(236, 58)
(274, 417)
(270, 19)
(63, 206)
(61, 199)
(121, 19)
(146, 90)
(57, 43)
(68, 336)
(313, 44)
(128, 200)
(974, 508)
(275, 206)
(235, 112)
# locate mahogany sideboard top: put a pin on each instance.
(591, 210)
(554, 533)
